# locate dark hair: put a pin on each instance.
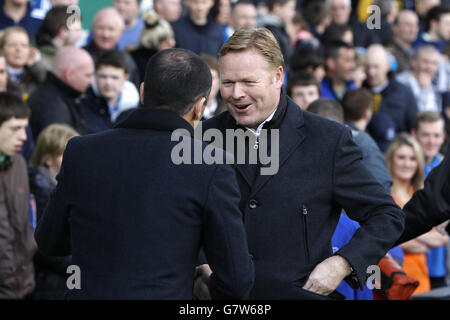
(175, 79)
(247, 2)
(434, 14)
(302, 79)
(315, 12)
(328, 108)
(355, 103)
(11, 106)
(332, 49)
(55, 18)
(334, 33)
(305, 57)
(271, 3)
(112, 58)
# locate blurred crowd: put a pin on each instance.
(380, 67)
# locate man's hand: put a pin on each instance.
(327, 275)
(201, 289)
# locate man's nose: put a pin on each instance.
(238, 91)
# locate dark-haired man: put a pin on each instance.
(340, 64)
(303, 88)
(54, 33)
(137, 218)
(17, 246)
(110, 95)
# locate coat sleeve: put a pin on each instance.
(52, 232)
(367, 202)
(224, 238)
(431, 205)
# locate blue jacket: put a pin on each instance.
(207, 39)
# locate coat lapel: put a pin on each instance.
(291, 136)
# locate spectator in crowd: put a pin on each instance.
(404, 159)
(300, 33)
(437, 29)
(388, 13)
(391, 98)
(24, 64)
(107, 28)
(243, 14)
(57, 100)
(318, 17)
(308, 60)
(422, 8)
(157, 35)
(429, 131)
(303, 89)
(357, 108)
(54, 33)
(153, 248)
(405, 29)
(51, 272)
(340, 66)
(129, 10)
(198, 31)
(18, 13)
(17, 245)
(337, 32)
(274, 240)
(278, 20)
(111, 93)
(5, 83)
(359, 76)
(341, 14)
(420, 80)
(214, 105)
(221, 12)
(169, 10)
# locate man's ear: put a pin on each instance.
(199, 107)
(141, 92)
(414, 133)
(279, 77)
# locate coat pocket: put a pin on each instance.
(304, 215)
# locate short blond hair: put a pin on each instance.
(259, 39)
(403, 139)
(51, 143)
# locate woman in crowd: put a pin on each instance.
(23, 63)
(156, 35)
(45, 164)
(405, 162)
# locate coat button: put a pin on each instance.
(253, 204)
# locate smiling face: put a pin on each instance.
(431, 136)
(250, 87)
(404, 164)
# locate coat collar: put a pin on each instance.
(289, 119)
(155, 119)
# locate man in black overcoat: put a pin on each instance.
(132, 216)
